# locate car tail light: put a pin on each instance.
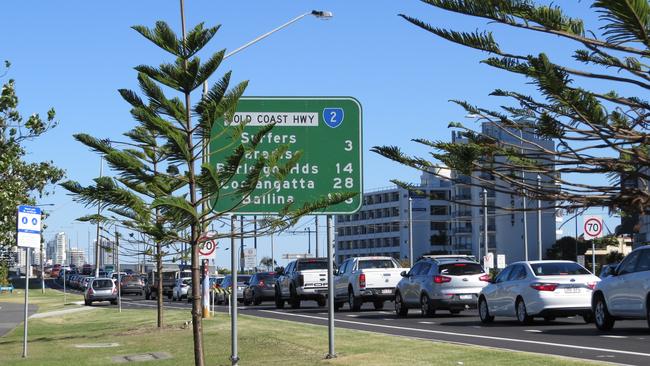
(441, 279)
(362, 280)
(591, 285)
(544, 286)
(114, 290)
(301, 280)
(261, 284)
(486, 277)
(90, 291)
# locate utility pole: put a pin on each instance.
(241, 243)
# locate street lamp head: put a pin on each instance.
(321, 14)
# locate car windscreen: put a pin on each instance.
(460, 269)
(376, 263)
(168, 275)
(311, 264)
(101, 284)
(558, 269)
(242, 279)
(187, 281)
(227, 281)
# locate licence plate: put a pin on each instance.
(387, 291)
(571, 290)
(466, 297)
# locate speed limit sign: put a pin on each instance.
(593, 227)
(207, 249)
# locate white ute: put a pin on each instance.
(366, 279)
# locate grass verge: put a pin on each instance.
(262, 342)
(51, 300)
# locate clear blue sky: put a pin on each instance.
(74, 55)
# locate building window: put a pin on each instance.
(437, 225)
(438, 210)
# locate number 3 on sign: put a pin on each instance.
(348, 145)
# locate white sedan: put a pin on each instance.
(545, 289)
(180, 288)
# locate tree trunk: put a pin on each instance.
(159, 288)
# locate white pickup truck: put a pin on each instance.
(366, 279)
(302, 279)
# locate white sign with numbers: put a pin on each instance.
(29, 227)
(593, 227)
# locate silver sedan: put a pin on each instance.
(545, 289)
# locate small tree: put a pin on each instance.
(268, 262)
(20, 181)
(190, 183)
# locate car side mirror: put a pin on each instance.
(280, 271)
(404, 274)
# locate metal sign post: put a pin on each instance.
(234, 357)
(207, 251)
(29, 237)
(330, 286)
(593, 228)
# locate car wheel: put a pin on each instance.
(521, 312)
(484, 311)
(87, 303)
(293, 299)
(400, 308)
(454, 311)
(353, 301)
(588, 318)
(338, 306)
(147, 296)
(279, 303)
(379, 305)
(257, 300)
(321, 302)
(113, 302)
(189, 300)
(549, 318)
(247, 302)
(426, 306)
(602, 318)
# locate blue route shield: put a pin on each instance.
(333, 117)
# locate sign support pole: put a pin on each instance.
(316, 223)
(485, 230)
(410, 217)
(234, 358)
(26, 301)
(330, 287)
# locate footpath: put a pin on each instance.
(11, 314)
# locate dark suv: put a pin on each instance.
(261, 287)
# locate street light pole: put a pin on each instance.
(99, 210)
(308, 230)
(485, 228)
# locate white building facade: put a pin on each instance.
(381, 227)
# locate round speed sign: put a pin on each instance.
(207, 248)
(593, 227)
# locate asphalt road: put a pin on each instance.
(571, 337)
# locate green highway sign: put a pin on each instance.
(325, 130)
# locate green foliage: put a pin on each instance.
(21, 182)
(4, 273)
(596, 132)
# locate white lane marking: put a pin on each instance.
(614, 336)
(532, 330)
(353, 315)
(384, 312)
(389, 319)
(469, 335)
(427, 322)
